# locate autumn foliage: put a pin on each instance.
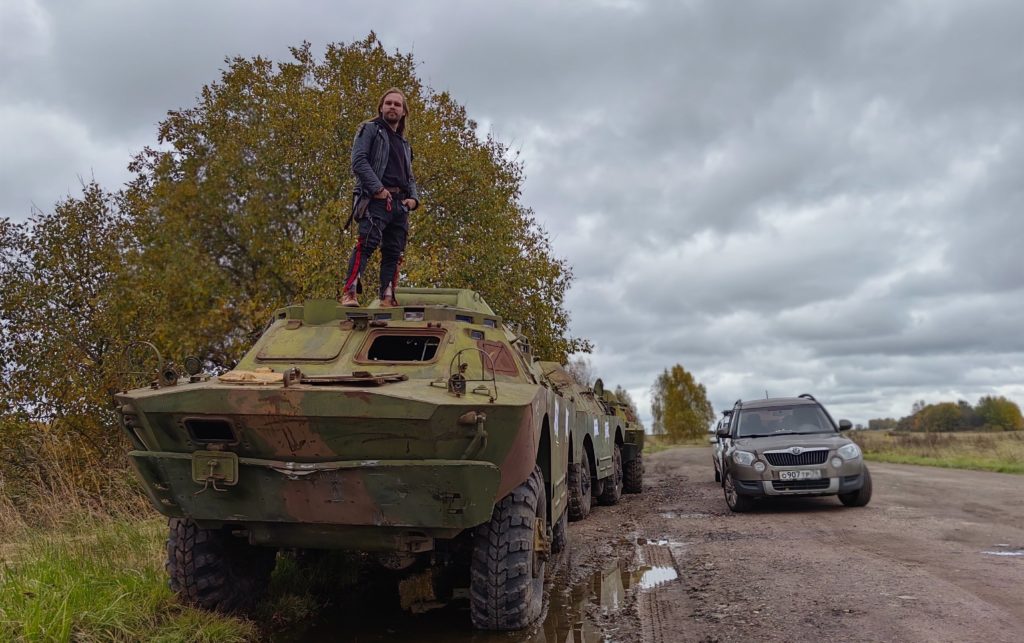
(237, 209)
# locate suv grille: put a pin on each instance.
(800, 485)
(781, 459)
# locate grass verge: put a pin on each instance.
(99, 582)
(999, 452)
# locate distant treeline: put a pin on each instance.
(989, 414)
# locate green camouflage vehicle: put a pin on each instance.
(632, 446)
(603, 446)
(425, 435)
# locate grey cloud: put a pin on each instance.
(819, 197)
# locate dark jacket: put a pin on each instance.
(370, 157)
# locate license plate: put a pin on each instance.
(806, 474)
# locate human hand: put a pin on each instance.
(410, 204)
(382, 194)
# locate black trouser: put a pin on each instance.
(389, 231)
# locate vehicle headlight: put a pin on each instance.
(849, 452)
(743, 457)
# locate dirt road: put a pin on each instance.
(938, 555)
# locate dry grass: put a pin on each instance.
(48, 480)
(656, 443)
(1000, 451)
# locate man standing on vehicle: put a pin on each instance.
(385, 194)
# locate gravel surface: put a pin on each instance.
(938, 555)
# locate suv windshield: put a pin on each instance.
(776, 420)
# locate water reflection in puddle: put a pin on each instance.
(1004, 551)
(657, 576)
(575, 612)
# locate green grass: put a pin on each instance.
(1001, 452)
(99, 582)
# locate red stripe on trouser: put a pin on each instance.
(355, 265)
(394, 279)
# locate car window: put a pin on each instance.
(783, 419)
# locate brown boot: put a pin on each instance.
(348, 298)
(387, 300)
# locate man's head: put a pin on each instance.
(393, 109)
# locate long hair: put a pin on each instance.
(405, 106)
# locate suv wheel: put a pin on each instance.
(736, 502)
(860, 497)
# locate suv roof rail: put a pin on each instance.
(807, 396)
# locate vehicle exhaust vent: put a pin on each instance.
(210, 430)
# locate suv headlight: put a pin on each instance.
(743, 457)
(849, 452)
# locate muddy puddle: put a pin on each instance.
(1003, 549)
(580, 612)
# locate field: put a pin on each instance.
(1002, 452)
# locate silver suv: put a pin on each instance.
(789, 446)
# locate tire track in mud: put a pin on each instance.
(656, 607)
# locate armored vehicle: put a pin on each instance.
(632, 445)
(425, 435)
(789, 446)
(603, 446)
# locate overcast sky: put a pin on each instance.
(813, 196)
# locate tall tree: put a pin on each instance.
(627, 399)
(62, 279)
(240, 209)
(582, 371)
(680, 406)
(999, 412)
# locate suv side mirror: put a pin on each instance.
(845, 425)
(722, 432)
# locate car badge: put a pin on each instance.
(796, 450)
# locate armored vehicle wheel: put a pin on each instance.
(736, 502)
(506, 585)
(613, 484)
(560, 533)
(580, 489)
(213, 570)
(633, 475)
(860, 497)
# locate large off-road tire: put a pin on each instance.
(506, 584)
(862, 496)
(580, 488)
(633, 474)
(560, 534)
(733, 499)
(213, 570)
(613, 484)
